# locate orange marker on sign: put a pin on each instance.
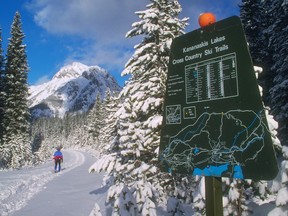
(206, 19)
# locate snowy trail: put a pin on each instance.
(39, 191)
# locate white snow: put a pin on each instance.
(72, 70)
(39, 191)
(75, 191)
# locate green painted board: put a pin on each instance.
(214, 122)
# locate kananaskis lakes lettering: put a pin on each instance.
(210, 46)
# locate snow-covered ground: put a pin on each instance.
(39, 191)
(73, 191)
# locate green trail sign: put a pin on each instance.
(214, 122)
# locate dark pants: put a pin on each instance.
(57, 164)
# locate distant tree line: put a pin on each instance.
(94, 130)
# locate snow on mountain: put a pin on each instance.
(73, 88)
(73, 70)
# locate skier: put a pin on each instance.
(58, 158)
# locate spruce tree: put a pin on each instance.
(266, 78)
(279, 45)
(108, 132)
(137, 181)
(2, 99)
(250, 15)
(256, 21)
(95, 122)
(78, 135)
(279, 96)
(2, 83)
(16, 116)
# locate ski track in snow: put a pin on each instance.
(19, 186)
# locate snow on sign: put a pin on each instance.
(214, 122)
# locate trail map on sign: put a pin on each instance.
(214, 123)
(228, 148)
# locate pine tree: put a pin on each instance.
(2, 95)
(78, 136)
(16, 116)
(279, 45)
(108, 132)
(45, 135)
(274, 54)
(281, 201)
(235, 197)
(250, 15)
(279, 97)
(256, 21)
(95, 122)
(137, 180)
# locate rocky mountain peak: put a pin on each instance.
(74, 69)
(73, 89)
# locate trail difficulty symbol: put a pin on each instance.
(214, 122)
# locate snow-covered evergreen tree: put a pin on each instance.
(235, 200)
(2, 95)
(265, 24)
(198, 195)
(281, 201)
(96, 211)
(43, 139)
(250, 15)
(108, 132)
(95, 122)
(138, 184)
(16, 116)
(274, 54)
(78, 136)
(279, 91)
(256, 21)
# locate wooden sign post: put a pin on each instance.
(214, 196)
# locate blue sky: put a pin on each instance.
(58, 32)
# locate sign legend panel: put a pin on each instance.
(211, 79)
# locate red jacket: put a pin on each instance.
(58, 155)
